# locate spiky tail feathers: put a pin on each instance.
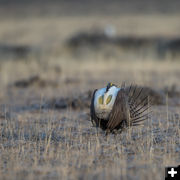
(139, 104)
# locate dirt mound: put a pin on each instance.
(160, 47)
(34, 81)
(79, 102)
(15, 51)
(83, 100)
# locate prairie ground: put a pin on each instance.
(45, 91)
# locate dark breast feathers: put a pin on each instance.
(129, 109)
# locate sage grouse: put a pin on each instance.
(114, 108)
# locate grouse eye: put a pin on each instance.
(108, 99)
(100, 100)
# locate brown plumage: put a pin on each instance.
(129, 109)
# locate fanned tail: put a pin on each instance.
(139, 105)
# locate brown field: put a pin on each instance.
(45, 87)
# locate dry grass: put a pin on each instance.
(38, 143)
(63, 145)
(51, 144)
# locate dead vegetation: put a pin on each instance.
(51, 137)
(45, 92)
(48, 144)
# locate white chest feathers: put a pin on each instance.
(104, 101)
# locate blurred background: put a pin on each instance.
(79, 45)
